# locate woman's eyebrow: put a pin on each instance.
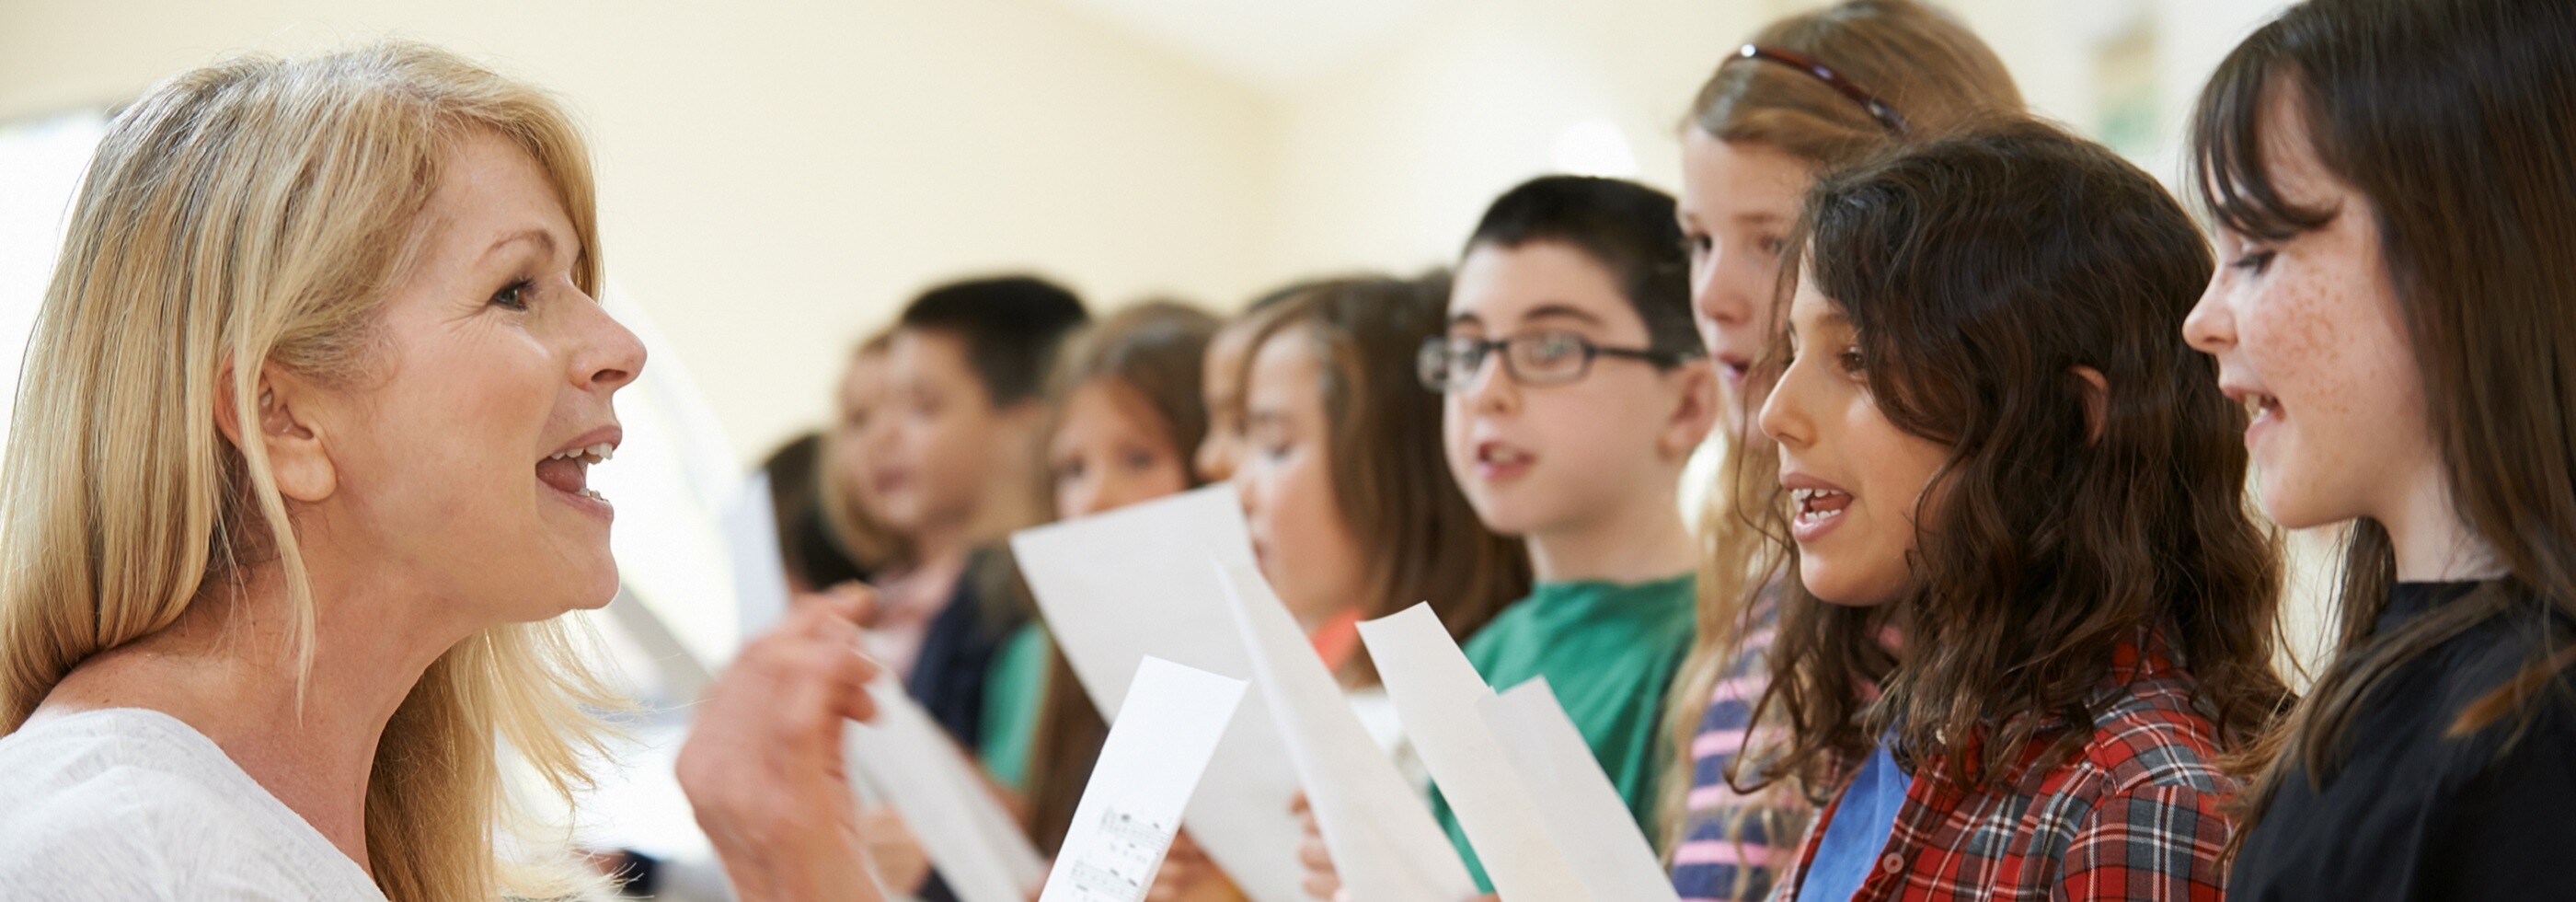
(538, 236)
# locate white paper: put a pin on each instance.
(759, 570)
(1385, 845)
(1135, 581)
(1585, 814)
(962, 828)
(1437, 692)
(1166, 731)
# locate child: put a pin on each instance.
(2396, 206)
(1127, 413)
(864, 420)
(1759, 133)
(1575, 390)
(959, 470)
(2030, 610)
(1352, 513)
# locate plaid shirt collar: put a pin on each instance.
(2133, 815)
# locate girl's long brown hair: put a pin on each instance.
(1153, 352)
(2455, 120)
(1935, 73)
(1979, 273)
(1389, 474)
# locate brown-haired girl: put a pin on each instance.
(2396, 208)
(1127, 416)
(1353, 511)
(2030, 611)
(1807, 94)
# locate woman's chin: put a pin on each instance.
(1832, 589)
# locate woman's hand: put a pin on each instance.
(1322, 881)
(762, 766)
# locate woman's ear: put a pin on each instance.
(283, 405)
(2097, 401)
(1695, 410)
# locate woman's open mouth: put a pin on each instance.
(568, 471)
(1814, 510)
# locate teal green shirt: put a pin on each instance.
(1609, 652)
(1015, 686)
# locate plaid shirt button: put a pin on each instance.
(1892, 863)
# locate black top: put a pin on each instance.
(957, 647)
(2414, 815)
(956, 651)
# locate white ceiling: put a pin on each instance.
(1270, 44)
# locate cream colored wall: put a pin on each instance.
(776, 176)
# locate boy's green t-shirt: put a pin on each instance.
(1015, 685)
(1609, 652)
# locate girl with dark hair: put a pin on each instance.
(1807, 94)
(2396, 206)
(1125, 399)
(2030, 611)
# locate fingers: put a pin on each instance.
(1322, 881)
(852, 600)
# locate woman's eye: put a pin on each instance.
(2255, 261)
(1851, 361)
(513, 296)
(1140, 460)
(1696, 244)
(1773, 245)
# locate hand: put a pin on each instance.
(898, 855)
(1322, 882)
(864, 607)
(1185, 868)
(762, 766)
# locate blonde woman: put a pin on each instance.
(296, 492)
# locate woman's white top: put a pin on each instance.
(128, 803)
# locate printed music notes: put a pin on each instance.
(1135, 581)
(1167, 729)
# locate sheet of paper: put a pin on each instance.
(1135, 581)
(759, 570)
(962, 828)
(1437, 692)
(1385, 844)
(1576, 801)
(1166, 731)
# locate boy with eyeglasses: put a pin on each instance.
(1576, 389)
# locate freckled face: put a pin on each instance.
(2308, 332)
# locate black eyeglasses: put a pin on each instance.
(1878, 109)
(1450, 363)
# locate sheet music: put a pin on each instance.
(1437, 692)
(1384, 842)
(1167, 729)
(1582, 811)
(1135, 582)
(962, 828)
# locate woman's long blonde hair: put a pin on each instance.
(251, 213)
